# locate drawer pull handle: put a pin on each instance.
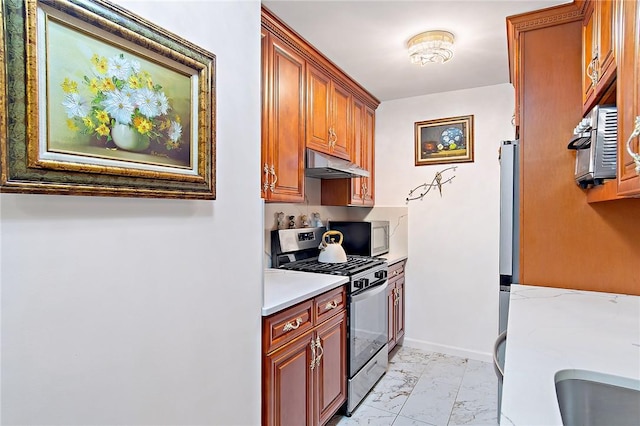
(291, 325)
(331, 305)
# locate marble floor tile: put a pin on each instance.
(392, 390)
(429, 389)
(445, 369)
(430, 401)
(406, 421)
(364, 415)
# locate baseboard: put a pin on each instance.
(449, 350)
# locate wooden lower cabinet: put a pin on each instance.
(395, 301)
(305, 379)
(331, 386)
(287, 379)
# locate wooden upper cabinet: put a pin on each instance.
(283, 126)
(355, 191)
(318, 110)
(628, 95)
(368, 155)
(307, 102)
(328, 115)
(341, 122)
(599, 52)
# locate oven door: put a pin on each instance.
(367, 325)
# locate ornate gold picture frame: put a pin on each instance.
(102, 102)
(445, 140)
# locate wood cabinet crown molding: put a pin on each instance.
(296, 42)
(535, 20)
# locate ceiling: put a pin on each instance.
(367, 39)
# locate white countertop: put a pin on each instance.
(283, 288)
(393, 257)
(552, 329)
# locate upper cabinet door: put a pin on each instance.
(318, 110)
(328, 115)
(628, 96)
(368, 155)
(599, 52)
(341, 134)
(283, 130)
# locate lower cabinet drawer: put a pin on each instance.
(396, 269)
(329, 304)
(285, 326)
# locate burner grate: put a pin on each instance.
(353, 265)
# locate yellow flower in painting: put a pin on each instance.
(144, 126)
(145, 79)
(95, 59)
(106, 85)
(101, 66)
(102, 116)
(94, 86)
(88, 122)
(134, 82)
(102, 130)
(164, 124)
(69, 86)
(72, 125)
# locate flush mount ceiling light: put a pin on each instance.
(431, 46)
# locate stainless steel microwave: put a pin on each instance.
(363, 238)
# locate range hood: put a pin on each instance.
(323, 166)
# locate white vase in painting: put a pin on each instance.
(126, 137)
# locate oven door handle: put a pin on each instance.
(370, 292)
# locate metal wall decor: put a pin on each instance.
(437, 181)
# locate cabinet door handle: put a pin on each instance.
(592, 70)
(272, 185)
(265, 185)
(292, 325)
(332, 137)
(634, 134)
(331, 305)
(320, 351)
(313, 354)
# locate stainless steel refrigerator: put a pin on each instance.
(509, 239)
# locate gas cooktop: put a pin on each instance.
(352, 266)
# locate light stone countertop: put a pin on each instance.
(393, 257)
(283, 288)
(553, 329)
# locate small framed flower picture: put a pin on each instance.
(103, 102)
(446, 140)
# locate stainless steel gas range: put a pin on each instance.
(297, 249)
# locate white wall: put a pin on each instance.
(452, 279)
(145, 311)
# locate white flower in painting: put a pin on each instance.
(119, 106)
(130, 93)
(76, 105)
(135, 66)
(147, 102)
(163, 103)
(119, 67)
(175, 131)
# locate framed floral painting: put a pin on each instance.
(103, 103)
(446, 140)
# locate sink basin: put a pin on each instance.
(590, 398)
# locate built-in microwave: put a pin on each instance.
(361, 238)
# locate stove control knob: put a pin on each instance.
(381, 274)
